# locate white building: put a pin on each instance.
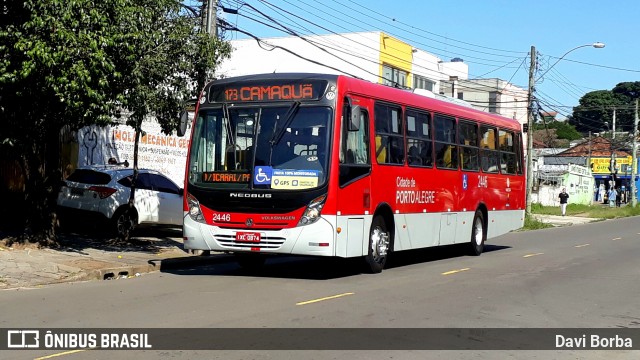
(372, 56)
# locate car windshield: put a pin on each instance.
(280, 147)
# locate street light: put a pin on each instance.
(597, 45)
(530, 112)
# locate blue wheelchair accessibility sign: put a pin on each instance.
(262, 175)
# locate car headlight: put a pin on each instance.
(194, 209)
(312, 213)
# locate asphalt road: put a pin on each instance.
(582, 276)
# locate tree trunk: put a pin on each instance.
(41, 190)
(130, 208)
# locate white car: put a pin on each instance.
(103, 192)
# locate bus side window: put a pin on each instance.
(446, 148)
(389, 134)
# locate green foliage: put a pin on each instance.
(595, 111)
(531, 223)
(72, 63)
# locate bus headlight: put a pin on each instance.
(312, 213)
(194, 208)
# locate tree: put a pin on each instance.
(595, 111)
(80, 62)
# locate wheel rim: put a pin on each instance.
(124, 224)
(478, 231)
(379, 244)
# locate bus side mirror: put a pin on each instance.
(182, 124)
(354, 118)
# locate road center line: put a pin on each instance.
(583, 245)
(530, 255)
(454, 271)
(617, 238)
(60, 354)
(324, 298)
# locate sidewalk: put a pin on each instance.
(82, 257)
(87, 257)
(557, 220)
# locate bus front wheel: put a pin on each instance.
(478, 234)
(379, 242)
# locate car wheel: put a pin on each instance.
(379, 245)
(124, 221)
(478, 235)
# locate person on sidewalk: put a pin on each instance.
(612, 196)
(564, 197)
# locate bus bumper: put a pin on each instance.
(317, 239)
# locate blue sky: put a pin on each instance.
(492, 36)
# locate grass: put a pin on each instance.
(531, 223)
(597, 210)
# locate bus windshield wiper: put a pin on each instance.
(227, 123)
(288, 117)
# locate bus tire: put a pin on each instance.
(379, 245)
(250, 261)
(478, 234)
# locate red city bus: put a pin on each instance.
(328, 165)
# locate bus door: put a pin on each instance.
(354, 192)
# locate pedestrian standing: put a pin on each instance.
(612, 196)
(564, 197)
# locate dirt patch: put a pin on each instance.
(89, 264)
(12, 244)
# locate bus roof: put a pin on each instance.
(385, 93)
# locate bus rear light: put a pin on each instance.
(194, 208)
(103, 191)
(312, 213)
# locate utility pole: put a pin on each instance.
(634, 167)
(530, 118)
(210, 24)
(589, 157)
(613, 151)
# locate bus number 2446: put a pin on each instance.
(221, 217)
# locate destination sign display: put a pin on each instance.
(281, 90)
(226, 177)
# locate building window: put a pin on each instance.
(421, 82)
(493, 102)
(393, 77)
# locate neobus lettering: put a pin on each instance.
(415, 197)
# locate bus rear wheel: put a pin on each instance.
(379, 244)
(478, 234)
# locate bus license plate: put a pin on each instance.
(251, 237)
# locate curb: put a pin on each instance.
(195, 260)
(112, 273)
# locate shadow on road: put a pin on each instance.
(307, 268)
(145, 239)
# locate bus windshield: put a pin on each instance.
(280, 148)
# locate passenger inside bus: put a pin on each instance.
(414, 156)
